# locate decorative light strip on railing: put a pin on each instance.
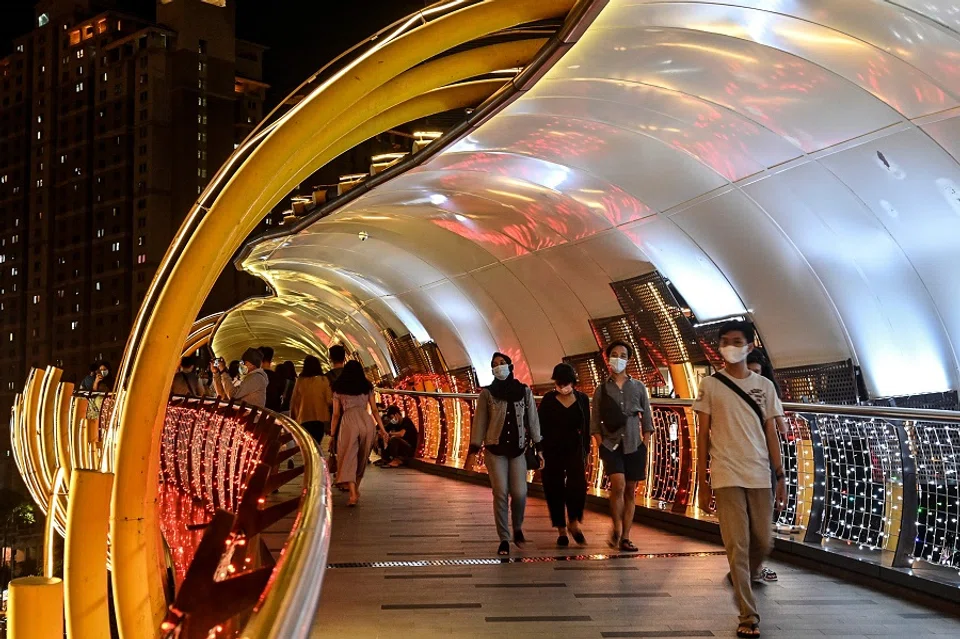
(875, 478)
(220, 467)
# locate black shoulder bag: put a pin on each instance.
(612, 419)
(752, 403)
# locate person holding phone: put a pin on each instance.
(737, 413)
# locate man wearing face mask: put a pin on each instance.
(253, 380)
(621, 423)
(404, 438)
(737, 412)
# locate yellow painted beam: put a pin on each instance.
(32, 439)
(85, 555)
(36, 608)
(189, 277)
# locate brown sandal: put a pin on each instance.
(627, 546)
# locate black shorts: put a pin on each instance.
(633, 466)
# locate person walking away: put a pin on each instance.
(505, 421)
(565, 425)
(338, 359)
(622, 424)
(252, 388)
(275, 384)
(404, 437)
(759, 363)
(355, 415)
(311, 399)
(736, 417)
(288, 373)
(186, 382)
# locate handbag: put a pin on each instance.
(612, 419)
(530, 455)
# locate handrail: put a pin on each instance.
(293, 594)
(885, 412)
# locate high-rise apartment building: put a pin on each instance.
(110, 126)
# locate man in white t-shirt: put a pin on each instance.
(742, 446)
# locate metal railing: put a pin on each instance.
(882, 481)
(221, 465)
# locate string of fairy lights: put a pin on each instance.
(860, 494)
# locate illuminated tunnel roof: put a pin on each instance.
(793, 160)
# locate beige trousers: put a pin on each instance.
(745, 515)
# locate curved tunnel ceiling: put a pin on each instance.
(793, 160)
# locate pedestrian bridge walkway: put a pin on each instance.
(417, 558)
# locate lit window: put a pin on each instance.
(79, 54)
(115, 247)
(36, 299)
(43, 20)
(11, 337)
(73, 325)
(104, 76)
(100, 232)
(97, 286)
(3, 179)
(79, 87)
(141, 259)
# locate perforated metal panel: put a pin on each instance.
(660, 318)
(433, 358)
(832, 383)
(590, 369)
(406, 354)
(935, 401)
(464, 380)
(620, 327)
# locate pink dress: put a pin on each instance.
(357, 433)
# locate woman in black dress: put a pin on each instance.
(565, 426)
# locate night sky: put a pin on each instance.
(301, 38)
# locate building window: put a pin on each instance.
(79, 54)
(202, 47)
(79, 87)
(141, 259)
(73, 325)
(115, 247)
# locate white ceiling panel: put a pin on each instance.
(891, 319)
(795, 317)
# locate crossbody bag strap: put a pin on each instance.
(729, 383)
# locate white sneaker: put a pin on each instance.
(765, 575)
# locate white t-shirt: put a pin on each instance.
(738, 447)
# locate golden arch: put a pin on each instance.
(383, 88)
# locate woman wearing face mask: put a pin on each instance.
(506, 419)
(622, 423)
(565, 423)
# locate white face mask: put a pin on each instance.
(735, 354)
(565, 390)
(243, 369)
(104, 373)
(618, 365)
(501, 372)
(394, 420)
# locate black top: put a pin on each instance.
(275, 386)
(565, 429)
(410, 434)
(509, 443)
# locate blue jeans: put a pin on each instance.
(508, 477)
